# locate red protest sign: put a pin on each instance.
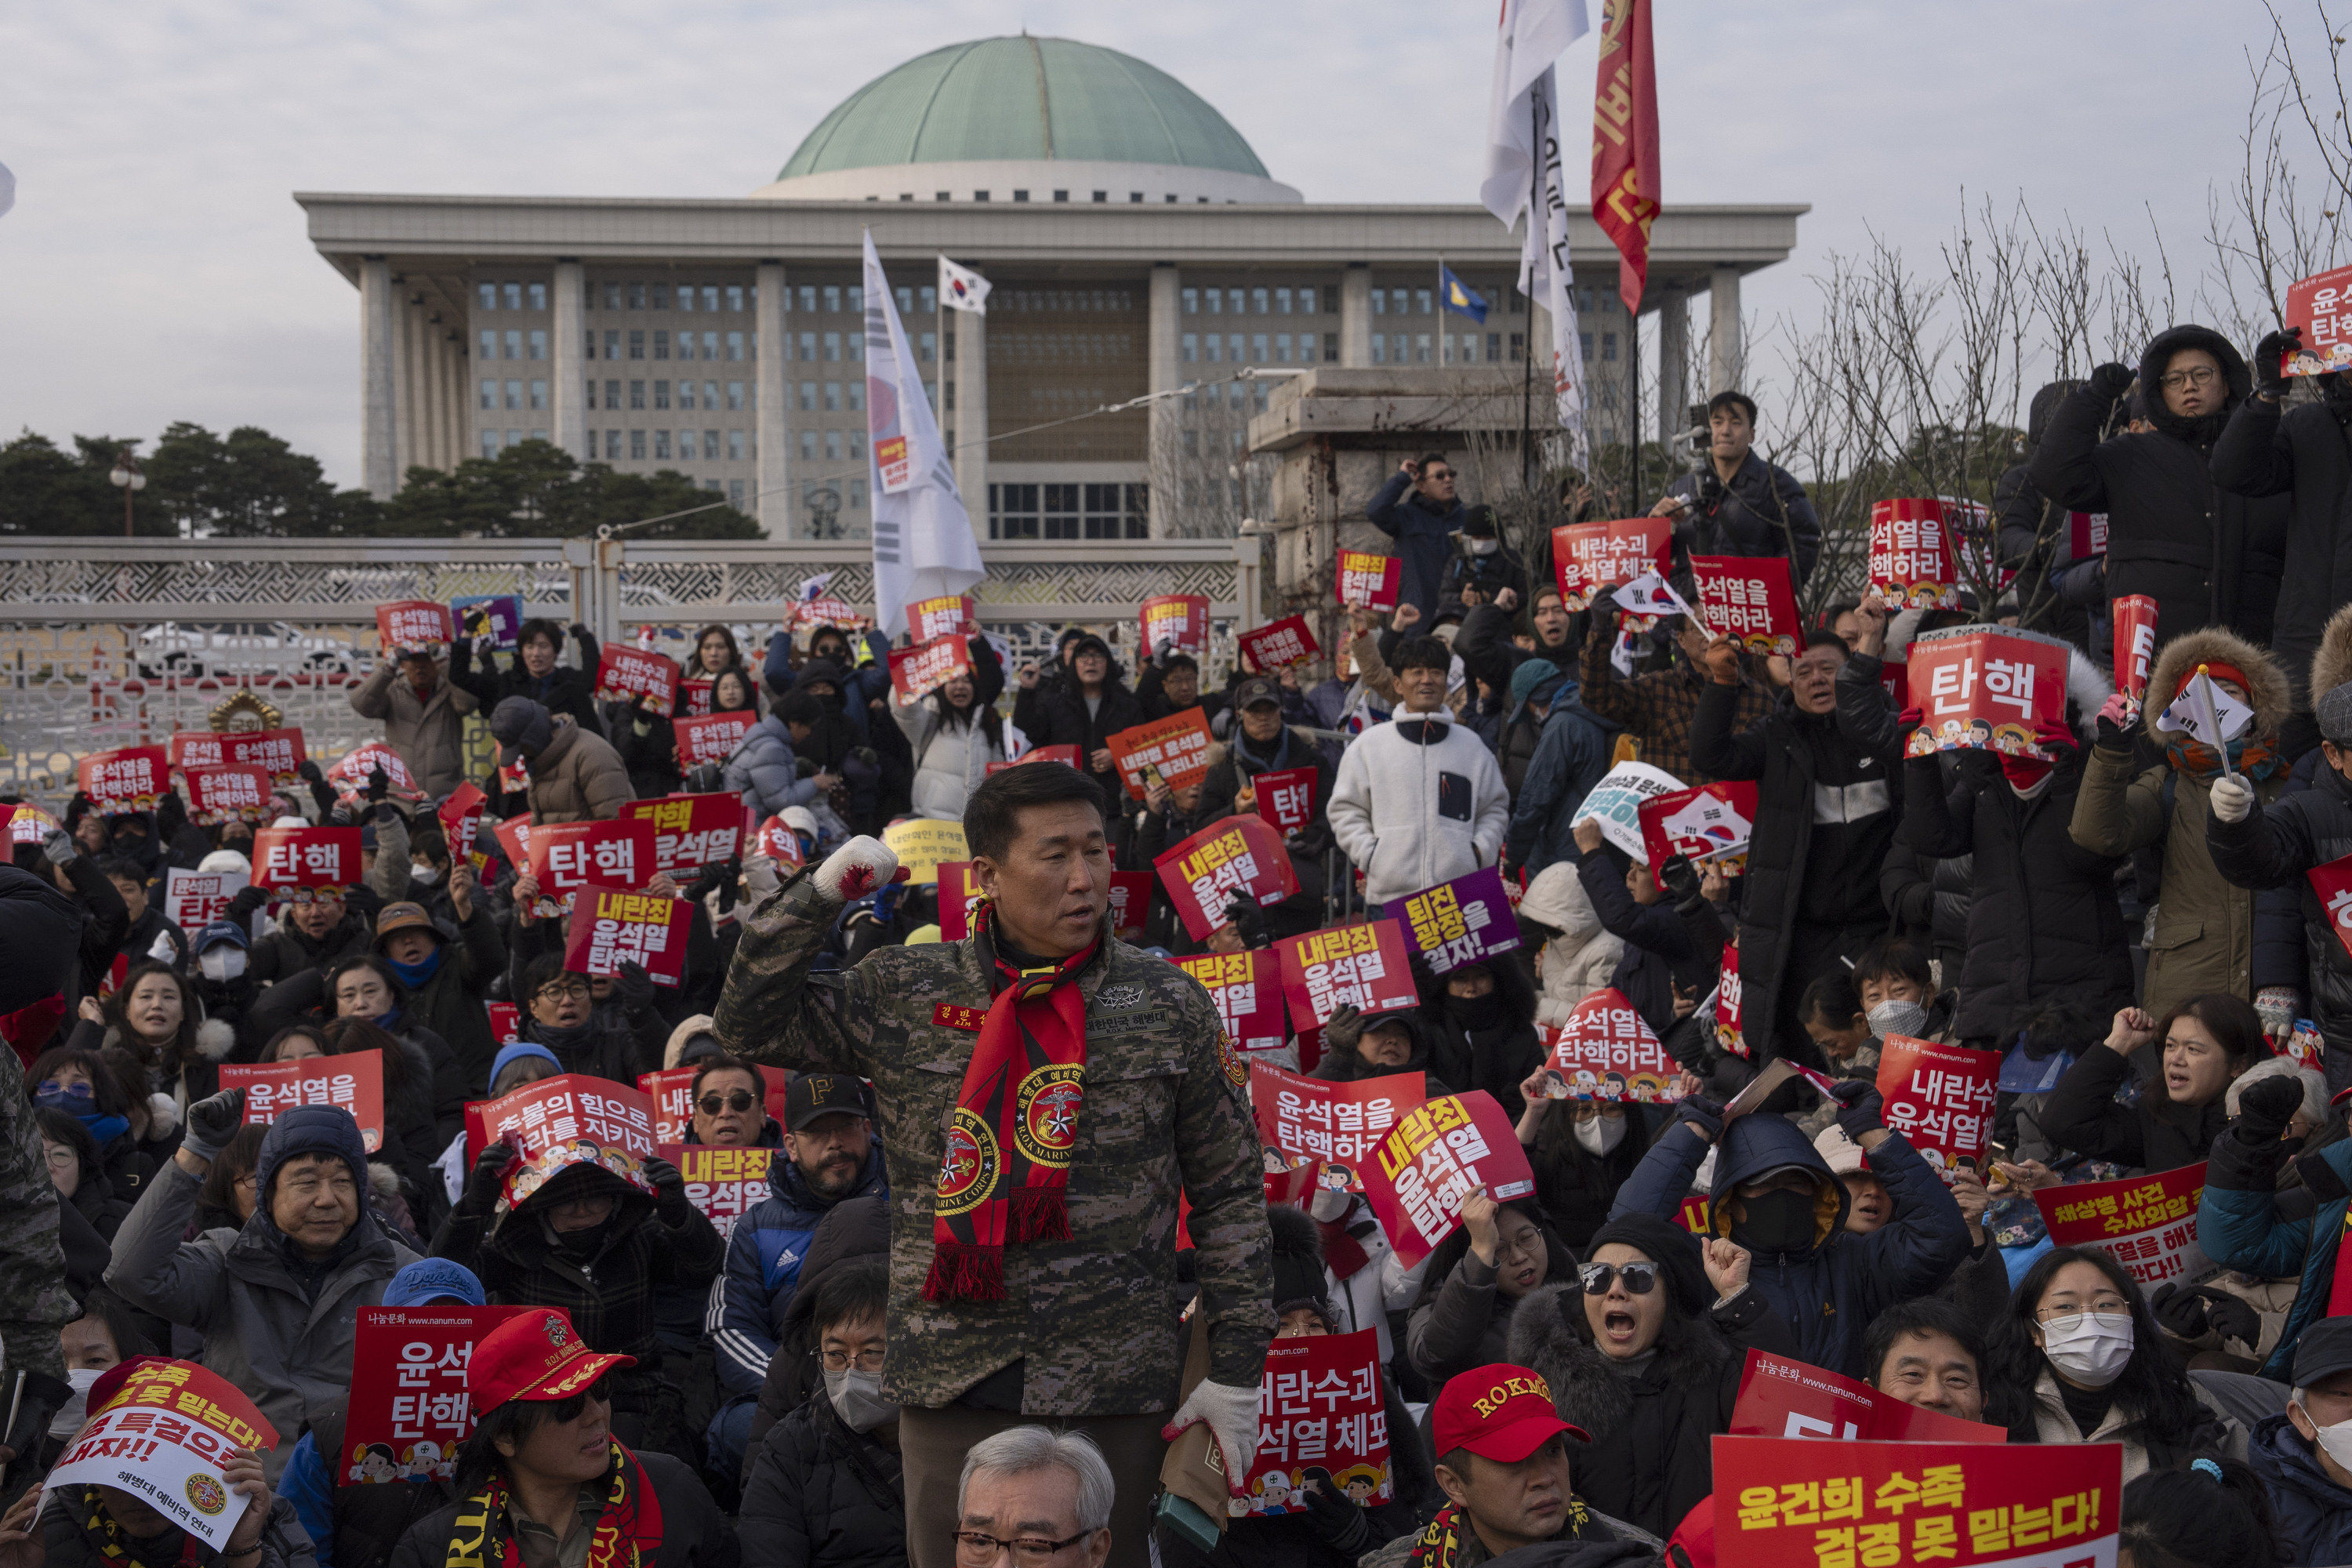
(572, 1119)
(1783, 1398)
(349, 775)
(278, 751)
(2086, 534)
(690, 831)
(2332, 883)
(1368, 581)
(694, 696)
(353, 1082)
(407, 624)
(194, 900)
(1285, 797)
(1710, 822)
(1436, 1155)
(1317, 1122)
(712, 738)
(29, 823)
(1236, 853)
(953, 614)
(1321, 1408)
(1130, 901)
(611, 926)
(410, 1408)
(1604, 1051)
(959, 899)
(624, 672)
(565, 856)
(1911, 554)
(1749, 599)
(1283, 642)
(1588, 556)
(2148, 1223)
(1362, 966)
(1985, 689)
(306, 861)
(1246, 986)
(2135, 652)
(165, 1437)
(1177, 747)
(827, 611)
(461, 819)
(2321, 305)
(129, 778)
(506, 1025)
(514, 840)
(722, 1180)
(671, 1089)
(228, 795)
(1956, 1505)
(1727, 1004)
(1940, 1099)
(919, 670)
(1180, 620)
(1463, 921)
(777, 843)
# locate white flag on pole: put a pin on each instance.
(1544, 267)
(1532, 34)
(923, 544)
(1523, 166)
(961, 288)
(7, 190)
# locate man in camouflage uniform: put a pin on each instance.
(1088, 1333)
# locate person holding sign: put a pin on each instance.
(955, 733)
(1476, 1282)
(1087, 705)
(424, 716)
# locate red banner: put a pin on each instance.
(461, 816)
(1234, 855)
(410, 1407)
(279, 751)
(610, 926)
(1176, 746)
(1180, 620)
(1727, 1004)
(1985, 689)
(1368, 581)
(1361, 966)
(1439, 1153)
(165, 1437)
(514, 840)
(1130, 902)
(951, 615)
(670, 1088)
(1749, 599)
(2135, 652)
(2086, 534)
(1313, 1121)
(777, 843)
(693, 697)
(959, 899)
(2321, 305)
(1711, 822)
(130, 778)
(722, 1180)
(712, 738)
(227, 794)
(1321, 1412)
(2332, 883)
(1604, 1051)
(1246, 986)
(1911, 554)
(2149, 1223)
(1271, 647)
(566, 856)
(572, 1119)
(506, 1025)
(624, 672)
(355, 1082)
(1782, 1398)
(1588, 556)
(321, 861)
(1625, 191)
(1285, 797)
(413, 624)
(194, 900)
(349, 775)
(915, 672)
(691, 831)
(1940, 1099)
(1955, 1505)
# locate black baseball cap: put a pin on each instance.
(815, 1094)
(1257, 689)
(2322, 1350)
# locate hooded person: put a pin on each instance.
(1085, 708)
(575, 774)
(2207, 557)
(1775, 1195)
(1572, 754)
(1574, 956)
(277, 1301)
(1357, 1045)
(1482, 1017)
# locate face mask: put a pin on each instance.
(2336, 1441)
(1477, 1012)
(424, 875)
(1892, 1017)
(1600, 1134)
(1776, 1222)
(1484, 546)
(75, 1411)
(858, 1399)
(221, 963)
(2092, 1350)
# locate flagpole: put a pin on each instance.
(1527, 378)
(1633, 414)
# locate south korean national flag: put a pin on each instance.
(2207, 712)
(961, 288)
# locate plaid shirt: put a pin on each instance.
(1655, 708)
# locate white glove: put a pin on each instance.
(1231, 1415)
(856, 869)
(2232, 797)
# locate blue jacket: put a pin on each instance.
(1571, 755)
(1423, 540)
(2312, 1513)
(763, 1267)
(1827, 1292)
(2245, 1228)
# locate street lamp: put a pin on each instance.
(127, 478)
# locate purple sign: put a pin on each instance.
(1463, 921)
(503, 611)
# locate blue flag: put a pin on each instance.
(1460, 297)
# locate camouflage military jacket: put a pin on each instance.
(1095, 1318)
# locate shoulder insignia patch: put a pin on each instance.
(1119, 998)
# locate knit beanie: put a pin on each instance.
(1672, 1249)
(309, 1129)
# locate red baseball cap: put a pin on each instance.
(535, 1355)
(1500, 1412)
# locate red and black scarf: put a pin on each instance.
(628, 1533)
(1448, 1542)
(1016, 1120)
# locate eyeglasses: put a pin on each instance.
(838, 1361)
(2203, 376)
(975, 1550)
(564, 1410)
(1641, 1279)
(2106, 1307)
(713, 1103)
(62, 1157)
(560, 990)
(1436, 473)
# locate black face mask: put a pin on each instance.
(1476, 1011)
(582, 1244)
(1776, 1222)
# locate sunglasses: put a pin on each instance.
(564, 1410)
(1640, 1278)
(712, 1104)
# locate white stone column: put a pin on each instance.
(970, 416)
(379, 455)
(1673, 363)
(568, 365)
(1167, 370)
(1723, 343)
(430, 387)
(1355, 315)
(453, 394)
(408, 381)
(769, 426)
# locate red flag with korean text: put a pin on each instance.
(1438, 1155)
(461, 816)
(1625, 142)
(612, 926)
(1749, 599)
(1940, 1099)
(1727, 1004)
(777, 843)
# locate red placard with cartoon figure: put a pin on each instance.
(1911, 555)
(1727, 1004)
(1783, 1398)
(2135, 651)
(129, 778)
(670, 1088)
(1604, 1051)
(917, 671)
(349, 775)
(1234, 855)
(1588, 556)
(612, 926)
(2148, 1222)
(2321, 305)
(722, 1180)
(690, 831)
(1246, 986)
(355, 1082)
(1180, 620)
(410, 1407)
(1368, 581)
(571, 1120)
(165, 1438)
(1177, 746)
(1709, 822)
(951, 615)
(1312, 1121)
(1321, 1417)
(303, 863)
(712, 737)
(1940, 1099)
(461, 816)
(566, 856)
(278, 751)
(228, 795)
(1361, 966)
(1985, 689)
(1276, 644)
(1438, 1155)
(417, 625)
(1285, 797)
(624, 672)
(1749, 599)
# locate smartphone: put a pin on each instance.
(1996, 1156)
(1151, 779)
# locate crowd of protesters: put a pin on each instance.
(2125, 917)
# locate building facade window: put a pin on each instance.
(489, 438)
(514, 395)
(636, 394)
(612, 445)
(538, 296)
(734, 446)
(734, 345)
(661, 445)
(539, 344)
(735, 394)
(685, 394)
(539, 395)
(661, 395)
(808, 396)
(490, 394)
(612, 395)
(514, 296)
(735, 494)
(637, 342)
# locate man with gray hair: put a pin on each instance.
(1044, 1495)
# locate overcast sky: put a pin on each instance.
(155, 265)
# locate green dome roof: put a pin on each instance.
(1022, 97)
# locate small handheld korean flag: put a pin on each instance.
(961, 288)
(1651, 594)
(2210, 714)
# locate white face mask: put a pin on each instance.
(221, 963)
(1601, 1133)
(858, 1399)
(75, 1411)
(424, 875)
(1484, 546)
(2336, 1441)
(1892, 1017)
(2091, 1348)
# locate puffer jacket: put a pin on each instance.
(764, 1253)
(2301, 454)
(2084, 1115)
(2312, 1513)
(820, 1494)
(1053, 713)
(2245, 1221)
(950, 759)
(289, 1349)
(1463, 1320)
(1584, 957)
(428, 734)
(2201, 936)
(765, 771)
(1762, 511)
(578, 777)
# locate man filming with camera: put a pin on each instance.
(1738, 504)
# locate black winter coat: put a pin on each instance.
(1927, 896)
(2273, 847)
(821, 1496)
(695, 1534)
(566, 689)
(2304, 455)
(2153, 1135)
(1055, 714)
(1763, 512)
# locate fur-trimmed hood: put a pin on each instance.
(1586, 1388)
(2178, 660)
(2331, 666)
(2087, 691)
(2201, 431)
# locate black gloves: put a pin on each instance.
(482, 1181)
(309, 772)
(212, 1122)
(2110, 382)
(1703, 1114)
(669, 1187)
(1860, 1109)
(635, 986)
(2269, 380)
(1342, 1525)
(1248, 919)
(2265, 1107)
(34, 1397)
(2191, 1313)
(2112, 737)
(245, 905)
(805, 767)
(1344, 1029)
(580, 629)
(379, 783)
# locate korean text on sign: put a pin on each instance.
(301, 863)
(165, 1437)
(2322, 306)
(412, 624)
(712, 738)
(1587, 555)
(610, 926)
(2147, 1223)
(1987, 690)
(1940, 1098)
(691, 831)
(1178, 620)
(671, 1090)
(1285, 796)
(1361, 966)
(565, 856)
(721, 1181)
(1748, 598)
(1333, 1123)
(952, 614)
(622, 673)
(1239, 855)
(410, 1409)
(1436, 1155)
(1462, 921)
(1320, 1406)
(1177, 746)
(1246, 986)
(572, 1119)
(1368, 581)
(130, 778)
(1603, 1050)
(1910, 558)
(1283, 642)
(352, 1082)
(916, 672)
